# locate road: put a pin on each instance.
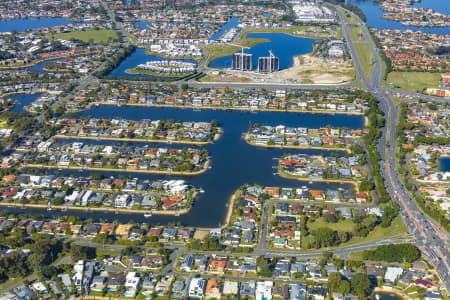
(428, 234)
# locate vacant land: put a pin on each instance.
(397, 227)
(414, 81)
(101, 36)
(345, 225)
(312, 69)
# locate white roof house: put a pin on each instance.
(392, 274)
(230, 287)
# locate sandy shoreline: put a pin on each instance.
(389, 290)
(229, 210)
(327, 112)
(120, 170)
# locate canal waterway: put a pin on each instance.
(23, 100)
(233, 161)
(20, 25)
(374, 15)
(284, 46)
(233, 22)
(444, 164)
(142, 24)
(138, 57)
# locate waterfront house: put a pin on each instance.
(123, 231)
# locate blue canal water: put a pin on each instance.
(233, 22)
(233, 161)
(20, 25)
(142, 24)
(138, 57)
(40, 66)
(440, 6)
(284, 46)
(374, 14)
(23, 100)
(444, 164)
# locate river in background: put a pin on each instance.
(20, 25)
(233, 161)
(374, 14)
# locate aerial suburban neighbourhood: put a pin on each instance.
(193, 149)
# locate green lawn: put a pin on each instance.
(357, 255)
(345, 225)
(399, 100)
(397, 227)
(414, 81)
(365, 57)
(101, 36)
(356, 34)
(348, 17)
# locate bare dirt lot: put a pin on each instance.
(307, 69)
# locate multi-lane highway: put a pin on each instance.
(429, 237)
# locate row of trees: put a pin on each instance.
(393, 253)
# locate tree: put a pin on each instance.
(360, 284)
(43, 251)
(78, 252)
(129, 250)
(393, 253)
(48, 271)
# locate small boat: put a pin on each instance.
(147, 214)
(377, 296)
(200, 190)
(49, 209)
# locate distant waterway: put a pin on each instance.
(444, 164)
(40, 66)
(440, 6)
(284, 46)
(136, 58)
(233, 161)
(233, 22)
(20, 25)
(23, 100)
(374, 15)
